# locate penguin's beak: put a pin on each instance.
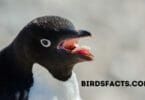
(70, 44)
(66, 34)
(83, 33)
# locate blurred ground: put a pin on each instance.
(118, 28)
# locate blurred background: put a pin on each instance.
(118, 28)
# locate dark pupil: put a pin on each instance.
(45, 42)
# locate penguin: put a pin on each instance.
(46, 49)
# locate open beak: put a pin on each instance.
(70, 44)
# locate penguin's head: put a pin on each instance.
(53, 41)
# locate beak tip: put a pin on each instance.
(85, 33)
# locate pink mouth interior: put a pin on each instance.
(72, 46)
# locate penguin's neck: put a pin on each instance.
(46, 87)
(21, 63)
(14, 72)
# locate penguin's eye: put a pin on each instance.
(45, 43)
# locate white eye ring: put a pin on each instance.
(45, 43)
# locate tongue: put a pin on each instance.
(84, 50)
(70, 44)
